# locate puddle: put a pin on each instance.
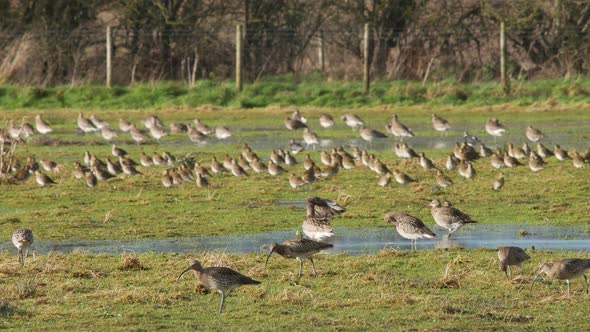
(351, 241)
(296, 204)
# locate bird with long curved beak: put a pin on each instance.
(300, 249)
(220, 279)
(566, 269)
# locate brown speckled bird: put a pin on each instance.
(566, 269)
(449, 217)
(511, 256)
(300, 249)
(220, 279)
(409, 227)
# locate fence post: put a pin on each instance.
(109, 55)
(366, 69)
(321, 51)
(238, 58)
(503, 79)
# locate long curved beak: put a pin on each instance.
(267, 257)
(183, 272)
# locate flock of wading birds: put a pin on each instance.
(316, 226)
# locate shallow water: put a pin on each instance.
(351, 241)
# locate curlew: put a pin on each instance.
(449, 217)
(42, 126)
(326, 121)
(498, 182)
(566, 269)
(533, 134)
(43, 180)
(22, 239)
(495, 128)
(353, 121)
(439, 124)
(220, 279)
(511, 256)
(300, 249)
(398, 129)
(409, 227)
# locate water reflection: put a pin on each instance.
(351, 241)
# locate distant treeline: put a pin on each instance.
(56, 42)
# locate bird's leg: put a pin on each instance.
(20, 257)
(226, 295)
(222, 301)
(586, 283)
(568, 288)
(300, 266)
(509, 270)
(314, 271)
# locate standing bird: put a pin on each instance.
(536, 163)
(124, 125)
(443, 180)
(220, 279)
(324, 208)
(295, 181)
(42, 126)
(91, 180)
(43, 180)
(353, 121)
(22, 239)
(511, 256)
(222, 132)
(370, 134)
(138, 135)
(117, 151)
(317, 220)
(300, 249)
(409, 227)
(495, 128)
(398, 129)
(566, 269)
(498, 182)
(293, 124)
(560, 153)
(326, 121)
(384, 180)
(85, 124)
(310, 138)
(534, 134)
(449, 217)
(439, 124)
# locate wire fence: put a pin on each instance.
(57, 57)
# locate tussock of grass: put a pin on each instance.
(131, 263)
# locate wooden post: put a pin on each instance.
(109, 47)
(321, 51)
(503, 79)
(366, 69)
(238, 58)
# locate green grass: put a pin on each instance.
(426, 290)
(140, 208)
(285, 90)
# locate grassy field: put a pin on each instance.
(392, 290)
(139, 207)
(427, 290)
(286, 90)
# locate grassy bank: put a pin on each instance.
(436, 290)
(286, 90)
